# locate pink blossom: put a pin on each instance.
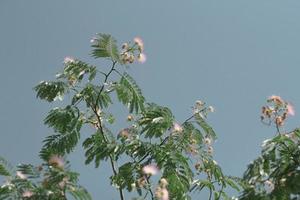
(27, 194)
(68, 60)
(177, 128)
(276, 99)
(139, 42)
(56, 161)
(20, 175)
(150, 169)
(141, 58)
(290, 109)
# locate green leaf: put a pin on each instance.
(5, 167)
(130, 94)
(205, 126)
(97, 148)
(75, 71)
(64, 120)
(79, 193)
(156, 120)
(105, 46)
(50, 91)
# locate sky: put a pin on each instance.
(231, 54)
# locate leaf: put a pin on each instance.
(75, 71)
(49, 91)
(5, 167)
(156, 120)
(130, 94)
(64, 120)
(97, 148)
(79, 193)
(205, 126)
(105, 46)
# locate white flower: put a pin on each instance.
(150, 169)
(211, 109)
(141, 58)
(163, 182)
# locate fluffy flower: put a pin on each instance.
(207, 141)
(276, 99)
(150, 169)
(162, 193)
(27, 194)
(290, 109)
(139, 42)
(20, 175)
(269, 186)
(68, 60)
(56, 161)
(177, 128)
(141, 58)
(211, 109)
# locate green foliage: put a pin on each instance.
(74, 71)
(49, 91)
(156, 120)
(4, 167)
(105, 47)
(98, 148)
(130, 94)
(205, 126)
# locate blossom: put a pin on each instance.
(276, 99)
(141, 58)
(56, 161)
(68, 60)
(163, 182)
(27, 193)
(139, 42)
(162, 193)
(211, 109)
(177, 128)
(290, 109)
(20, 175)
(269, 186)
(207, 141)
(150, 169)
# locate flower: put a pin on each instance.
(276, 99)
(20, 175)
(177, 128)
(141, 58)
(163, 182)
(269, 186)
(207, 141)
(139, 42)
(290, 109)
(68, 60)
(150, 169)
(27, 193)
(56, 161)
(211, 109)
(162, 193)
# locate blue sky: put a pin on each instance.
(232, 54)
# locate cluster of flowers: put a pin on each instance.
(130, 53)
(277, 111)
(161, 192)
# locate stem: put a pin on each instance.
(100, 127)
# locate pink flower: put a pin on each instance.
(276, 99)
(290, 109)
(139, 42)
(68, 60)
(20, 175)
(56, 161)
(27, 193)
(150, 169)
(141, 58)
(177, 128)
